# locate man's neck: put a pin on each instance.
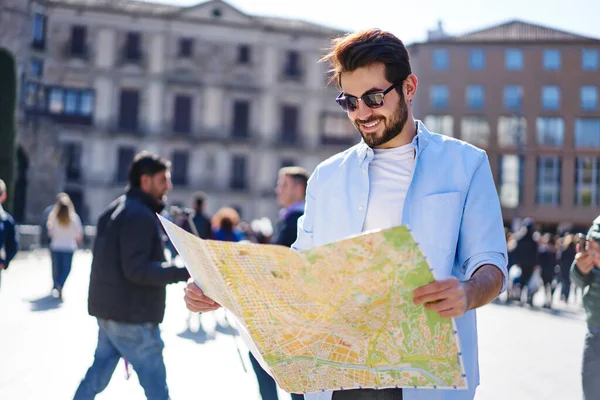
(405, 137)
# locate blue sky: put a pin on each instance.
(409, 20)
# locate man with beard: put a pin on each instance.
(400, 173)
(127, 282)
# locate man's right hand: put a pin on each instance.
(196, 301)
(586, 259)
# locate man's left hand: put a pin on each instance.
(446, 296)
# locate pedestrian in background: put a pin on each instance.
(66, 233)
(225, 225)
(585, 273)
(128, 279)
(9, 243)
(290, 191)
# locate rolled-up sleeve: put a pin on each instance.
(304, 240)
(482, 240)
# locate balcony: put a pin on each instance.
(127, 128)
(128, 57)
(71, 51)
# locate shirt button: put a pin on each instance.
(361, 208)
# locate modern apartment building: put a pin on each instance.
(528, 95)
(228, 97)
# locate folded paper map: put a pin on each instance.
(335, 316)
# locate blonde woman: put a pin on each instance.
(66, 233)
(225, 225)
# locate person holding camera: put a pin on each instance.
(585, 272)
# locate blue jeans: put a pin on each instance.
(141, 345)
(266, 384)
(61, 267)
(590, 372)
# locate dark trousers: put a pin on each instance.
(266, 384)
(368, 394)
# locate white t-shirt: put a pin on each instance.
(390, 173)
(64, 238)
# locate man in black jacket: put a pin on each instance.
(291, 191)
(128, 279)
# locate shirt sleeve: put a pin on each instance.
(482, 240)
(306, 221)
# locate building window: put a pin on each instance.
(133, 48)
(179, 170)
(550, 98)
(548, 181)
(511, 174)
(292, 67)
(72, 161)
(438, 96)
(70, 105)
(477, 59)
(475, 97)
(441, 59)
(125, 156)
(552, 60)
(513, 97)
(475, 130)
(337, 129)
(587, 181)
(78, 46)
(243, 56)
(588, 96)
(186, 48)
(36, 68)
(512, 131)
(238, 173)
(289, 124)
(589, 60)
(128, 109)
(39, 32)
(241, 119)
(442, 124)
(587, 133)
(513, 59)
(550, 131)
(182, 114)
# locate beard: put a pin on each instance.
(392, 126)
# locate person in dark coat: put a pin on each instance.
(128, 279)
(9, 244)
(567, 255)
(525, 255)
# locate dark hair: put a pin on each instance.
(363, 48)
(199, 198)
(298, 174)
(146, 163)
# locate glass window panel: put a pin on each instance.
(477, 59)
(588, 97)
(589, 59)
(71, 97)
(441, 59)
(513, 97)
(550, 131)
(510, 173)
(56, 102)
(513, 59)
(551, 98)
(475, 130)
(442, 124)
(587, 133)
(438, 95)
(512, 131)
(552, 59)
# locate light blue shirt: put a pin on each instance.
(451, 206)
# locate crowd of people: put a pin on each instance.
(541, 261)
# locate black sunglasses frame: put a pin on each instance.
(370, 99)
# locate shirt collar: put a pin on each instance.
(295, 207)
(419, 142)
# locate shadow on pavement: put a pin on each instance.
(226, 329)
(559, 312)
(200, 336)
(45, 303)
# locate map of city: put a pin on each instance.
(336, 316)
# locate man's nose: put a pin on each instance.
(363, 112)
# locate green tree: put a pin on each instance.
(8, 130)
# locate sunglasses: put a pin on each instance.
(371, 100)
